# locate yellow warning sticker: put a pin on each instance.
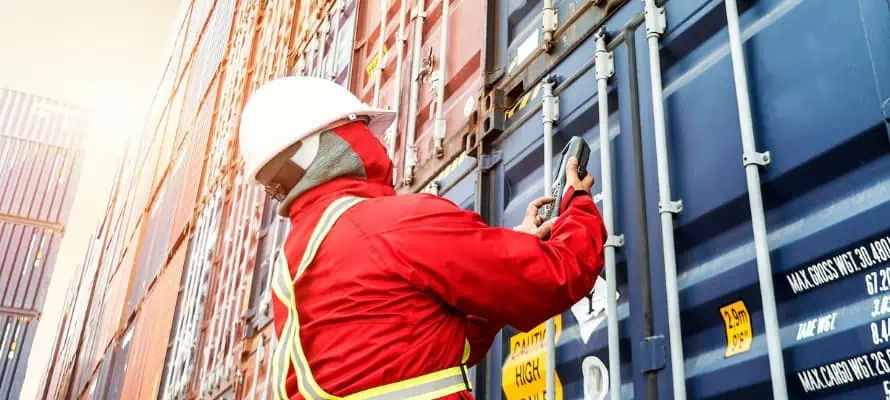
(737, 322)
(523, 101)
(372, 65)
(524, 375)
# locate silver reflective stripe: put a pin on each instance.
(455, 382)
(280, 359)
(282, 274)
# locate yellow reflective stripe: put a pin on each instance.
(280, 362)
(467, 350)
(330, 216)
(281, 353)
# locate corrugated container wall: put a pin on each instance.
(145, 363)
(433, 79)
(41, 154)
(58, 343)
(195, 287)
(235, 259)
(231, 96)
(61, 384)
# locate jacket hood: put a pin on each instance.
(350, 161)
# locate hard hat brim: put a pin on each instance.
(378, 121)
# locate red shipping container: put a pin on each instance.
(411, 83)
(205, 62)
(145, 363)
(117, 291)
(256, 366)
(275, 39)
(194, 149)
(235, 256)
(227, 116)
(194, 289)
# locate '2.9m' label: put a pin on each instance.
(737, 322)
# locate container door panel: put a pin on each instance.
(522, 182)
(817, 83)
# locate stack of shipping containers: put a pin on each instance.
(41, 152)
(720, 279)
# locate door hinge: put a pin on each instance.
(605, 62)
(656, 21)
(550, 102)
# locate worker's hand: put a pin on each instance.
(534, 224)
(572, 177)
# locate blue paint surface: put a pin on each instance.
(819, 76)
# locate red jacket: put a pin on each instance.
(401, 281)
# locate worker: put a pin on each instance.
(378, 296)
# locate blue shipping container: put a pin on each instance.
(819, 78)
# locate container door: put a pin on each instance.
(517, 365)
(818, 81)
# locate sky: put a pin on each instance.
(106, 56)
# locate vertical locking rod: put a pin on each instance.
(322, 38)
(549, 24)
(656, 24)
(550, 112)
(755, 198)
(393, 130)
(333, 54)
(605, 69)
(413, 99)
(439, 124)
(381, 42)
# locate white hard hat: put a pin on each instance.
(288, 110)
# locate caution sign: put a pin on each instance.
(524, 373)
(737, 322)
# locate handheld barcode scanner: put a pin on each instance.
(578, 148)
